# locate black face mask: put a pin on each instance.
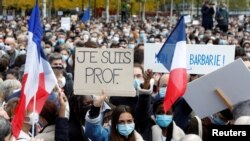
(85, 109)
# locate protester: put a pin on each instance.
(207, 11)
(5, 130)
(191, 137)
(122, 123)
(222, 17)
(60, 47)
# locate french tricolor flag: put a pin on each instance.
(38, 79)
(173, 56)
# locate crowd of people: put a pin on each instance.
(66, 116)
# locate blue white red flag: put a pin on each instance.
(173, 56)
(38, 79)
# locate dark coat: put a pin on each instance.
(207, 17)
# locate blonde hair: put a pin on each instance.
(9, 86)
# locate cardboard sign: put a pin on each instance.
(108, 69)
(233, 80)
(201, 59)
(65, 23)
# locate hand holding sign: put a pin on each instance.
(148, 75)
(98, 100)
(109, 69)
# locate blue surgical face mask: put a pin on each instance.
(137, 83)
(1, 44)
(131, 46)
(61, 41)
(163, 120)
(216, 120)
(142, 35)
(162, 92)
(125, 129)
(223, 42)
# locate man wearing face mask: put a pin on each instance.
(61, 38)
(56, 62)
(10, 48)
(246, 46)
(160, 125)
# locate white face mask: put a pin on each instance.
(7, 48)
(33, 118)
(116, 39)
(47, 50)
(100, 41)
(22, 52)
(248, 54)
(63, 82)
(85, 37)
(93, 39)
(65, 57)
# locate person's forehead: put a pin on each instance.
(63, 52)
(161, 108)
(9, 40)
(57, 61)
(163, 80)
(137, 70)
(125, 116)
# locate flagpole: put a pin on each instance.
(34, 105)
(33, 121)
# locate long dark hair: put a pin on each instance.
(114, 135)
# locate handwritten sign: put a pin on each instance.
(201, 59)
(109, 69)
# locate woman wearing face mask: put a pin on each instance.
(159, 126)
(122, 124)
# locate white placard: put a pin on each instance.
(109, 69)
(195, 22)
(65, 23)
(187, 19)
(10, 17)
(241, 18)
(233, 80)
(201, 59)
(60, 13)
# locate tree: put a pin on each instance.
(107, 11)
(143, 9)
